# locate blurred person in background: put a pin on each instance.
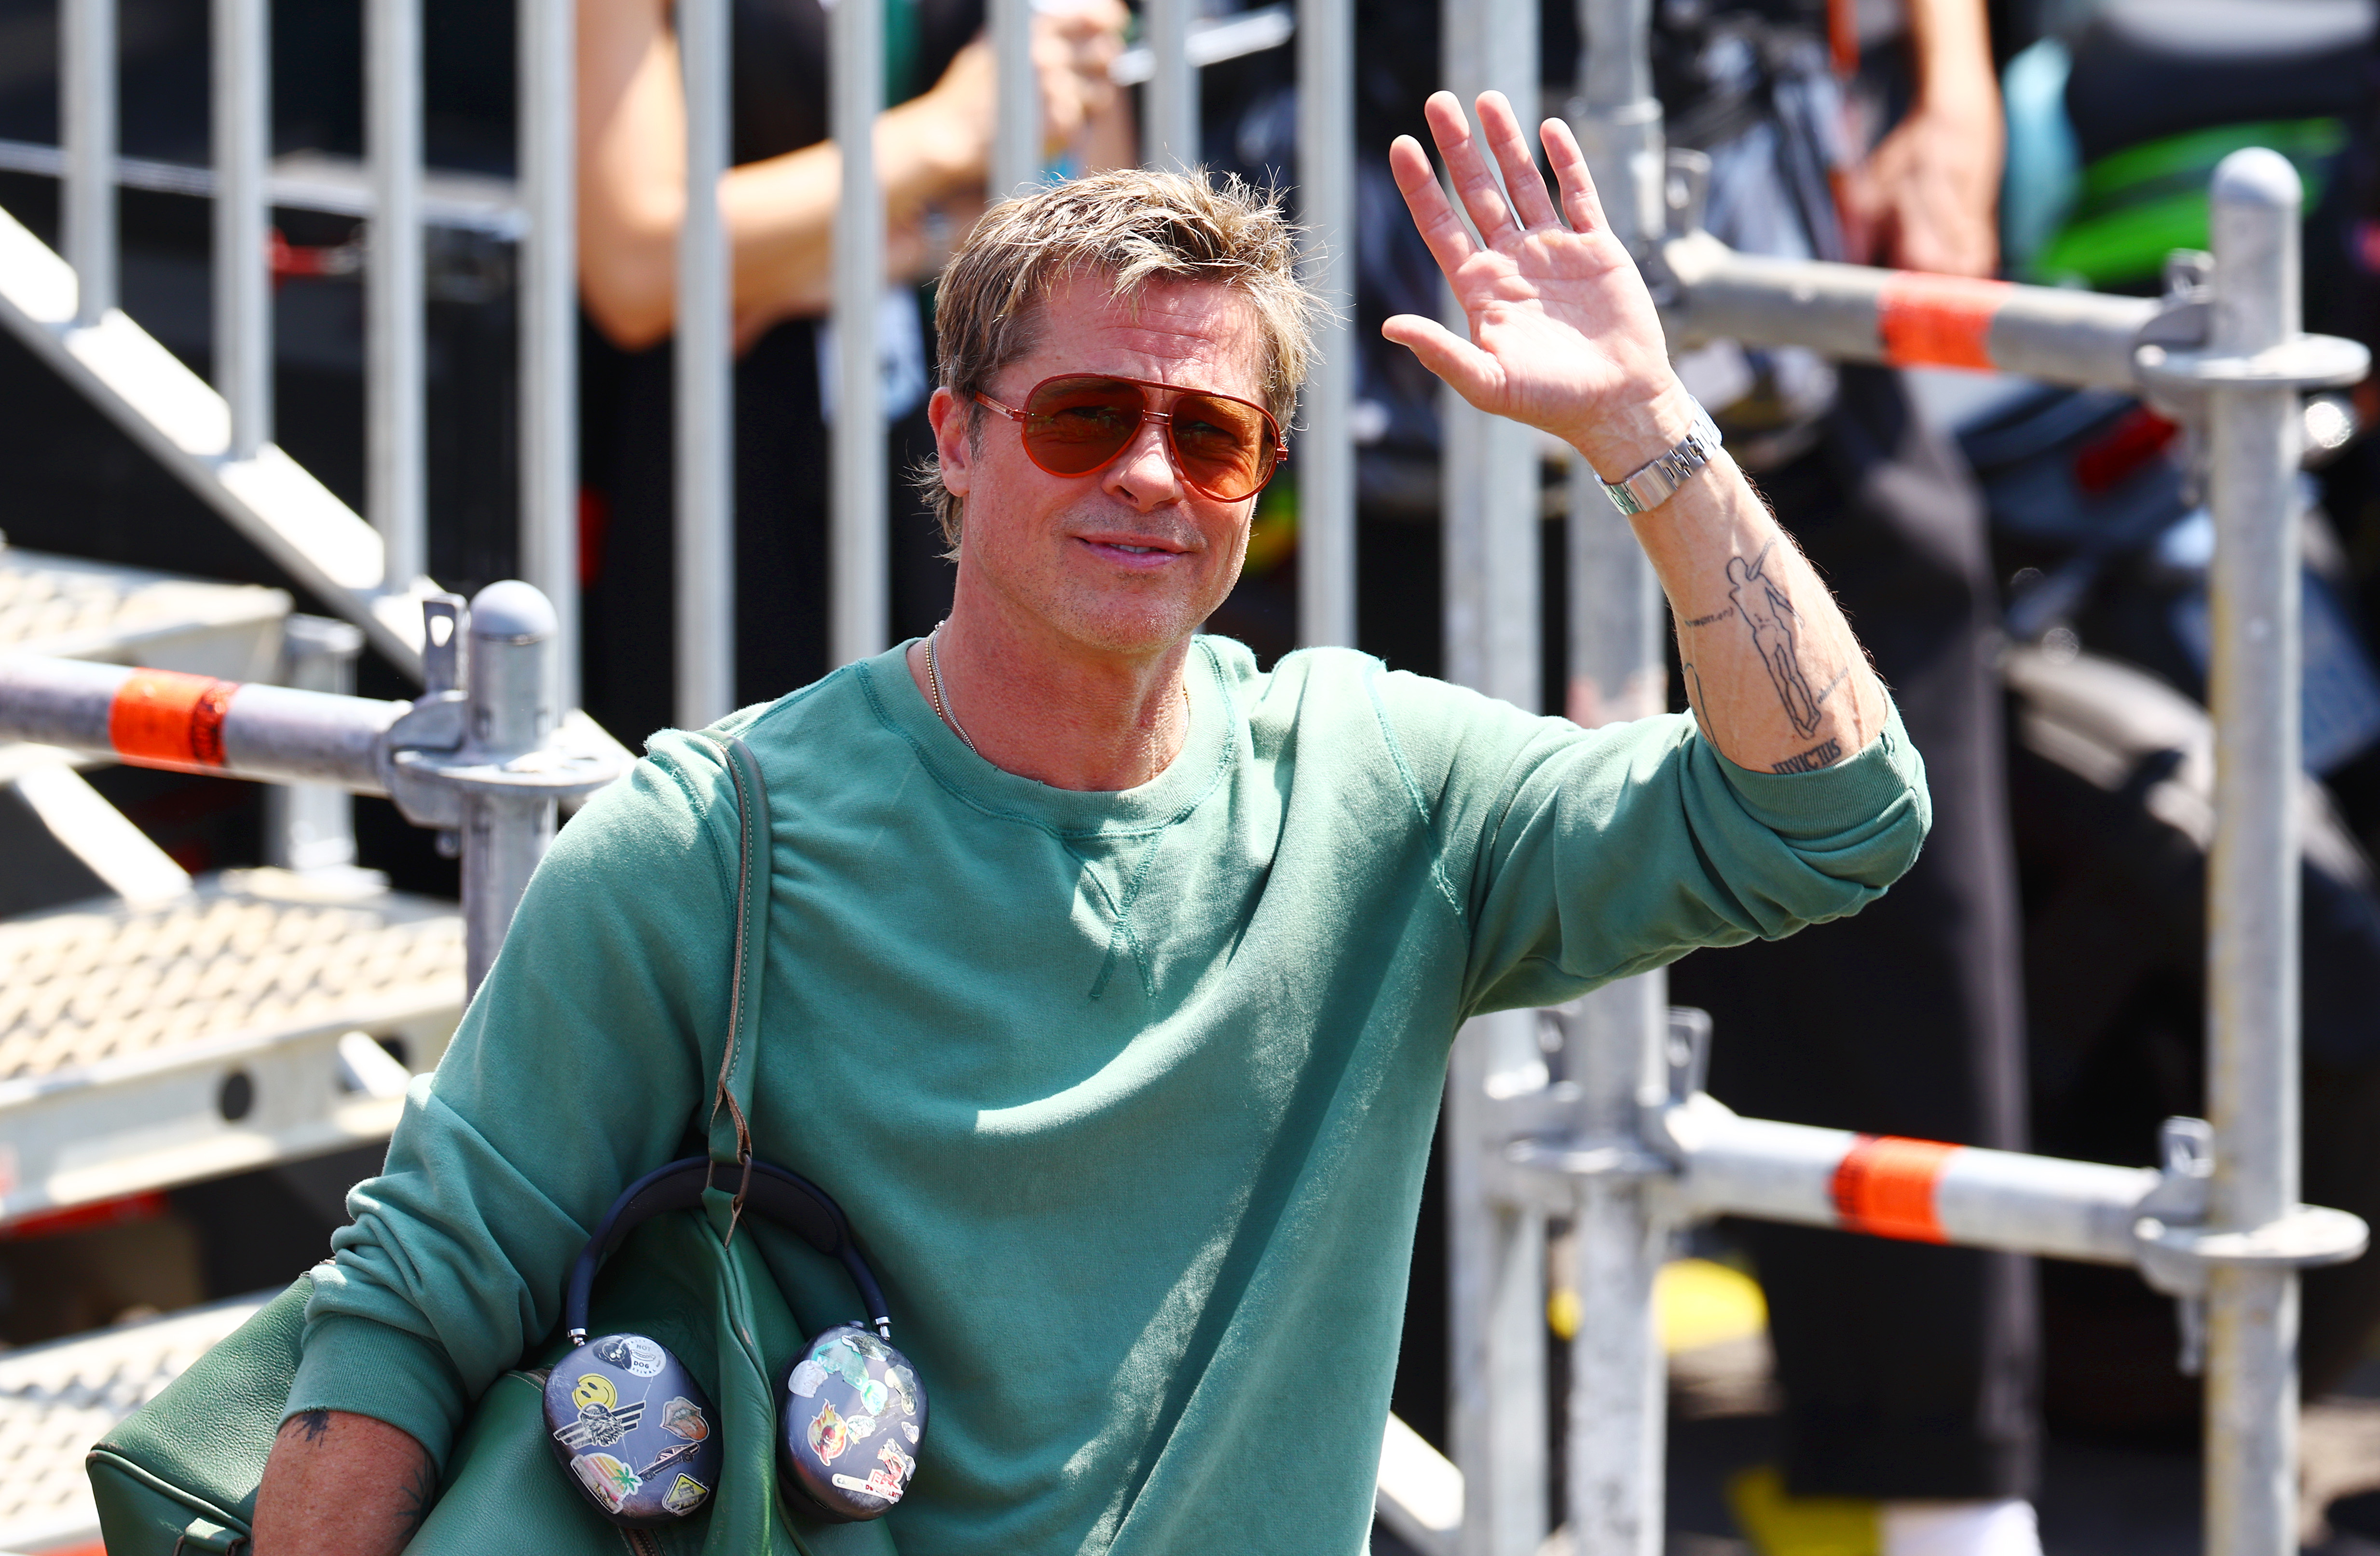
(932, 153)
(1872, 133)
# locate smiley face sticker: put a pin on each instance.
(596, 1389)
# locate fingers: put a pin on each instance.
(1523, 184)
(1580, 202)
(1450, 242)
(1482, 197)
(1473, 373)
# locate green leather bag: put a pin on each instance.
(180, 1473)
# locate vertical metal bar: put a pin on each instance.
(705, 385)
(1616, 671)
(1016, 128)
(2251, 1070)
(1496, 1322)
(1488, 465)
(311, 826)
(1169, 101)
(241, 87)
(395, 453)
(1325, 470)
(549, 324)
(1617, 118)
(1616, 1387)
(860, 608)
(512, 630)
(87, 130)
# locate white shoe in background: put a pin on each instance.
(2001, 1528)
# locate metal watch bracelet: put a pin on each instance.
(1660, 479)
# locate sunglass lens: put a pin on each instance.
(1075, 425)
(1222, 446)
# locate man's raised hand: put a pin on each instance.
(1563, 334)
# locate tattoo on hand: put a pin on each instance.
(421, 1494)
(1774, 635)
(1825, 754)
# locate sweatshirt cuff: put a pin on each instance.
(368, 1368)
(1884, 782)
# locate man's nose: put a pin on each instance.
(1143, 474)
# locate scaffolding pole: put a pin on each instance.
(241, 114)
(395, 437)
(1168, 126)
(1325, 471)
(705, 370)
(87, 131)
(549, 324)
(860, 610)
(1016, 130)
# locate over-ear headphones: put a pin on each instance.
(640, 1437)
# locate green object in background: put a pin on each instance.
(2141, 203)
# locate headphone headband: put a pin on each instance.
(787, 1199)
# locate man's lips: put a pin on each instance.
(1139, 552)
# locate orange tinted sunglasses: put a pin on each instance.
(1072, 425)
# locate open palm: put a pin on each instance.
(1563, 334)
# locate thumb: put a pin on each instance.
(1475, 374)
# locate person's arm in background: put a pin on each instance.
(779, 213)
(1928, 197)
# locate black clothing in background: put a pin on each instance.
(1909, 1371)
(782, 478)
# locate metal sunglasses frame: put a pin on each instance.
(1164, 420)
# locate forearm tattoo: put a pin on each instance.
(1761, 603)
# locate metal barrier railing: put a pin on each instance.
(480, 757)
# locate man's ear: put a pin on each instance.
(952, 447)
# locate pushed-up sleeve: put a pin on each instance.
(576, 1069)
(1584, 856)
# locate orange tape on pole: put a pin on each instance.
(1884, 1187)
(1937, 321)
(164, 718)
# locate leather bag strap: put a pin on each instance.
(730, 1127)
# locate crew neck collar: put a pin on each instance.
(1188, 778)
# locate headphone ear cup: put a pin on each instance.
(635, 1430)
(851, 1424)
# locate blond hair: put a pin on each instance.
(1131, 225)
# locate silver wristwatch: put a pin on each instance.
(1659, 479)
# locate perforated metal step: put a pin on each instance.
(72, 609)
(56, 1400)
(248, 1023)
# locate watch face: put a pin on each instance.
(851, 1421)
(634, 1430)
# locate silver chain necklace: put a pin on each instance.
(942, 709)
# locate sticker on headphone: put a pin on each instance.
(599, 1428)
(806, 1378)
(877, 1484)
(860, 1427)
(593, 1388)
(900, 1464)
(872, 1395)
(669, 1455)
(909, 1430)
(631, 1353)
(611, 1482)
(682, 1418)
(685, 1495)
(829, 1435)
(843, 1359)
(904, 1384)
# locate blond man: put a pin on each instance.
(1112, 978)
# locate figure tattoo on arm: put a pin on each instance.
(419, 1493)
(1775, 637)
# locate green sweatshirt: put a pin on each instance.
(1128, 1095)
